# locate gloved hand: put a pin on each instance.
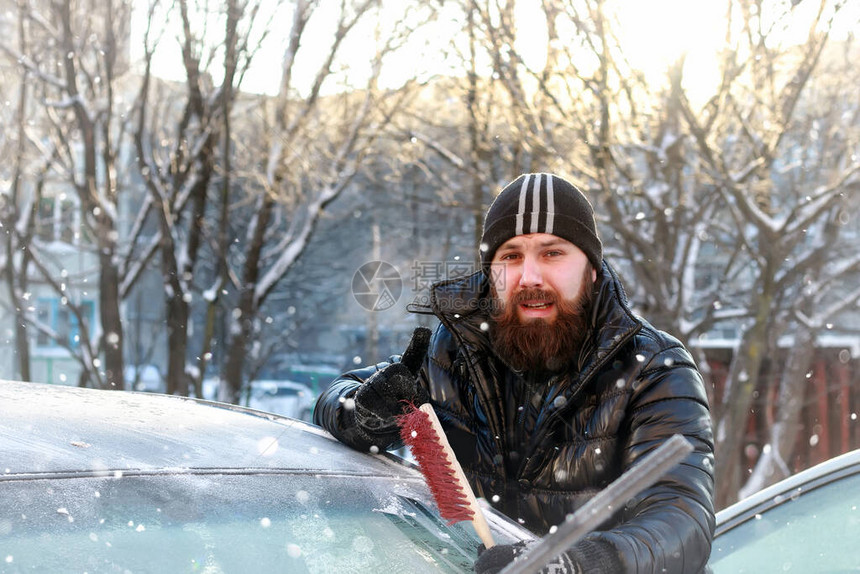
(387, 393)
(498, 557)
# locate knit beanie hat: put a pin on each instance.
(541, 203)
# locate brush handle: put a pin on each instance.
(478, 522)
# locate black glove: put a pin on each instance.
(388, 392)
(498, 557)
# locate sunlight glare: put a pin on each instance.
(656, 34)
(653, 36)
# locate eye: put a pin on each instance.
(510, 256)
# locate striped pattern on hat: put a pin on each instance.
(541, 203)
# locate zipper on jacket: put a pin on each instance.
(603, 357)
(532, 389)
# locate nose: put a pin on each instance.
(531, 274)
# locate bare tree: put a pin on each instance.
(72, 56)
(803, 236)
(758, 111)
(18, 217)
(316, 144)
(465, 151)
(183, 147)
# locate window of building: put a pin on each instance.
(56, 219)
(53, 313)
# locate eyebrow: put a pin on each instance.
(544, 244)
(552, 243)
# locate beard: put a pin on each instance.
(541, 345)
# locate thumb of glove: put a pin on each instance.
(413, 356)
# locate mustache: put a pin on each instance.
(534, 294)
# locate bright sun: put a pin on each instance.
(653, 34)
(656, 33)
(659, 32)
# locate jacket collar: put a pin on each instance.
(463, 305)
(612, 320)
(460, 297)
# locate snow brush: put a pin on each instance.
(421, 431)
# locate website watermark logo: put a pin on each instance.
(377, 285)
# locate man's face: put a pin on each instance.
(532, 272)
(542, 287)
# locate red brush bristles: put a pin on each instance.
(418, 433)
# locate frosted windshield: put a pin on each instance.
(227, 523)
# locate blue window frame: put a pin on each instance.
(53, 313)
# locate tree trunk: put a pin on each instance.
(771, 465)
(111, 321)
(741, 385)
(247, 307)
(16, 278)
(177, 344)
(237, 346)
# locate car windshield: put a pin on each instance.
(814, 531)
(284, 392)
(227, 523)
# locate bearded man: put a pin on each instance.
(548, 388)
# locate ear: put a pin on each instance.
(593, 275)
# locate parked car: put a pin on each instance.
(111, 481)
(287, 398)
(808, 522)
(145, 378)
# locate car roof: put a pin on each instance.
(55, 429)
(822, 473)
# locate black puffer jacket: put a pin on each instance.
(632, 389)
